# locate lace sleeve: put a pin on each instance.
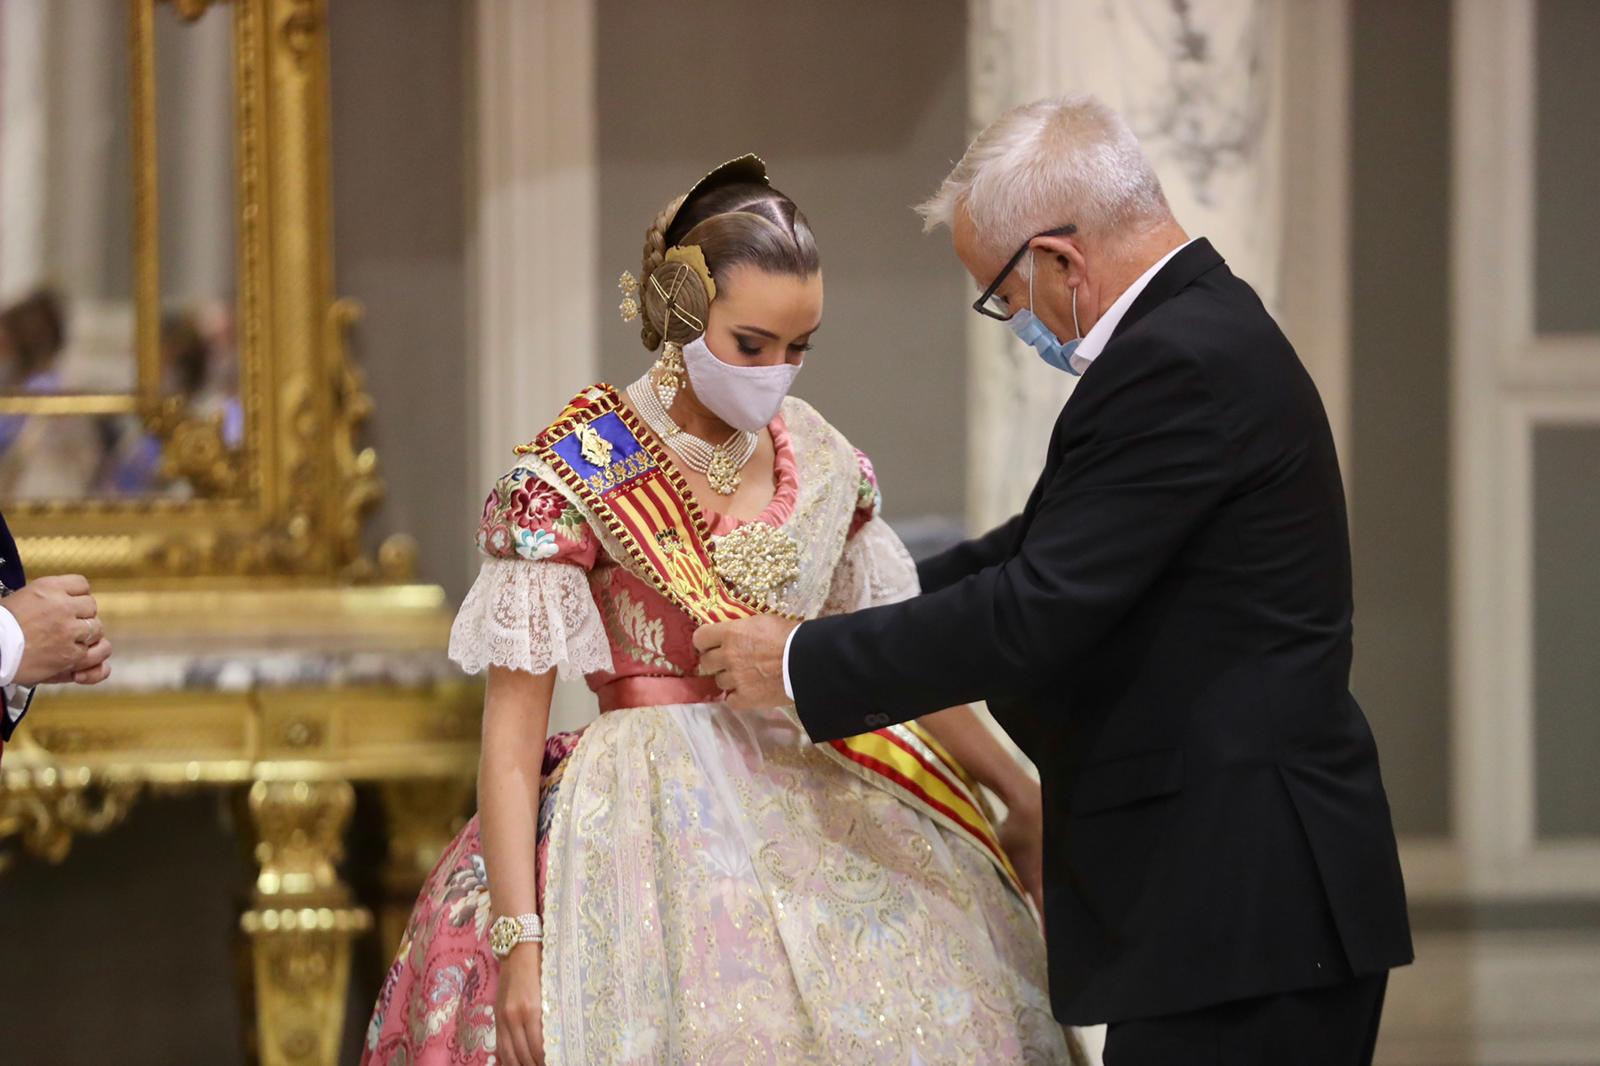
(875, 569)
(530, 616)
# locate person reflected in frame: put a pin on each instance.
(32, 335)
(133, 454)
(42, 456)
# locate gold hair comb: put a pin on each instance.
(691, 256)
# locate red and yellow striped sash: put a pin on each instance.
(906, 760)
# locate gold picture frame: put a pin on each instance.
(287, 505)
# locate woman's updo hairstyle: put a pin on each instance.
(742, 220)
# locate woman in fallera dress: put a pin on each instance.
(677, 882)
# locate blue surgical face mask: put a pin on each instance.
(1040, 337)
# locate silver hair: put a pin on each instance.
(1068, 159)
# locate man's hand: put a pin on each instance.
(746, 658)
(89, 674)
(64, 638)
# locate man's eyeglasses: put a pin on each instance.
(995, 306)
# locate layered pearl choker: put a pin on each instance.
(719, 463)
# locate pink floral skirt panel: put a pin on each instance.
(436, 1006)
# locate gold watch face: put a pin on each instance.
(503, 936)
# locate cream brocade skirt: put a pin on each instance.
(721, 891)
(718, 890)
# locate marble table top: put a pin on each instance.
(289, 638)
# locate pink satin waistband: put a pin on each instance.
(646, 691)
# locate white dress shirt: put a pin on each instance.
(1094, 342)
(1099, 335)
(12, 645)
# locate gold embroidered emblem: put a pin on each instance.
(595, 448)
(689, 579)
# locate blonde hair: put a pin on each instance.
(734, 224)
(1068, 159)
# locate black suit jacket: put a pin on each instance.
(11, 575)
(1166, 630)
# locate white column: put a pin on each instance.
(194, 133)
(1200, 83)
(24, 41)
(82, 168)
(534, 233)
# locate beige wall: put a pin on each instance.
(1567, 523)
(1567, 168)
(859, 110)
(1397, 458)
(400, 96)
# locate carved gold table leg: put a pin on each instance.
(47, 810)
(301, 922)
(423, 817)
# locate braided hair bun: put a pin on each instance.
(735, 218)
(675, 304)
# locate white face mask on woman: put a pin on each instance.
(745, 397)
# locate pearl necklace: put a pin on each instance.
(720, 463)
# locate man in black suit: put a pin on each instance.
(1165, 628)
(50, 633)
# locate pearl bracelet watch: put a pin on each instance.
(506, 933)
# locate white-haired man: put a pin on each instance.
(1165, 629)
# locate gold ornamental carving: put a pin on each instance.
(300, 826)
(301, 922)
(301, 969)
(194, 449)
(59, 806)
(300, 28)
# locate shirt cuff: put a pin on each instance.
(788, 686)
(17, 698)
(12, 646)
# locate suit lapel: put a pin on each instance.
(1181, 270)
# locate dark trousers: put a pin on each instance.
(1333, 1026)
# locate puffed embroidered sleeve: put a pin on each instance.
(530, 608)
(875, 568)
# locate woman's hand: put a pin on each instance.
(518, 1013)
(1022, 837)
(977, 748)
(516, 710)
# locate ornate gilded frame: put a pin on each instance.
(288, 504)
